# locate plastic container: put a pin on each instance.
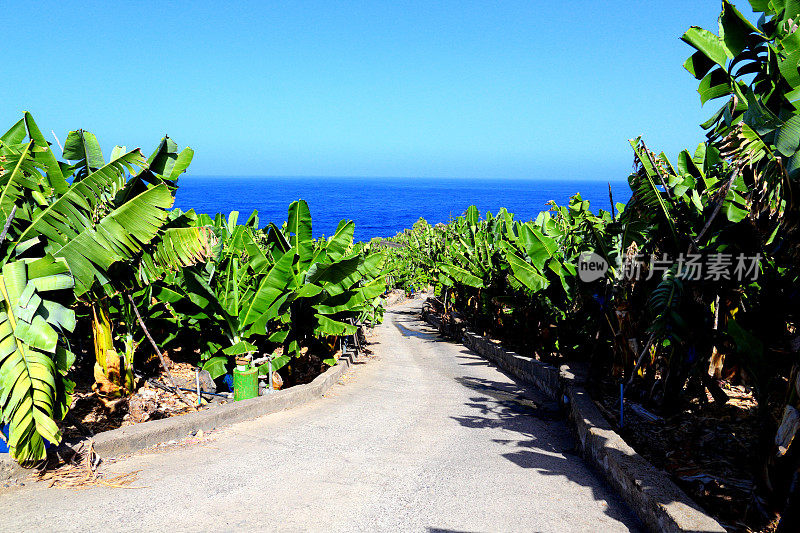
(245, 383)
(3, 446)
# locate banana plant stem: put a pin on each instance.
(180, 394)
(8, 223)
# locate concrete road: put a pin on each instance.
(424, 436)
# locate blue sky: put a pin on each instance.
(528, 89)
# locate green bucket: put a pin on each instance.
(245, 383)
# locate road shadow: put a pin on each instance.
(411, 324)
(539, 438)
(512, 396)
(408, 332)
(473, 358)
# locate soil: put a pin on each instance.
(91, 413)
(708, 452)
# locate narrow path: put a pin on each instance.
(425, 436)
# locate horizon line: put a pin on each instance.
(472, 178)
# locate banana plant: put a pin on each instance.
(34, 315)
(98, 219)
(331, 283)
(34, 353)
(530, 254)
(277, 287)
(36, 293)
(416, 259)
(754, 68)
(232, 296)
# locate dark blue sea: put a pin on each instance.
(382, 207)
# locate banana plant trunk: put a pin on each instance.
(113, 372)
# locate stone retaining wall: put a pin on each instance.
(139, 436)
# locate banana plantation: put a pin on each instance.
(683, 304)
(674, 340)
(90, 247)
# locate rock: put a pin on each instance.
(180, 381)
(206, 383)
(141, 407)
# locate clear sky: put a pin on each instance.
(528, 89)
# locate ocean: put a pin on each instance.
(382, 207)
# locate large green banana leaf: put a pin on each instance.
(341, 241)
(45, 156)
(72, 212)
(33, 391)
(15, 134)
(526, 273)
(461, 275)
(174, 248)
(538, 247)
(329, 326)
(21, 176)
(271, 287)
(119, 235)
(299, 229)
(82, 146)
(165, 161)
